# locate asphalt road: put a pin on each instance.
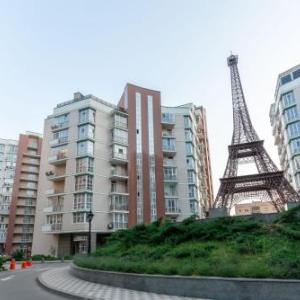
(22, 284)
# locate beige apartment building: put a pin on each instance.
(8, 157)
(131, 163)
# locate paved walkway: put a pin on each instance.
(60, 280)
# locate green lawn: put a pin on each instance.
(229, 247)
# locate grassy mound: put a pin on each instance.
(229, 247)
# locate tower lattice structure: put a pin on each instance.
(268, 184)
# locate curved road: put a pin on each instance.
(22, 284)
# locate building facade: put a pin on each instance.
(8, 157)
(285, 121)
(24, 194)
(133, 163)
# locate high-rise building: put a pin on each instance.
(8, 156)
(133, 163)
(22, 207)
(284, 117)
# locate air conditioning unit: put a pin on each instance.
(110, 226)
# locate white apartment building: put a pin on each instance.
(8, 157)
(285, 121)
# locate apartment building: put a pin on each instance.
(284, 117)
(24, 194)
(131, 163)
(8, 156)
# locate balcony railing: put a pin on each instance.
(168, 119)
(52, 227)
(120, 139)
(116, 174)
(119, 156)
(59, 141)
(52, 192)
(168, 177)
(57, 158)
(53, 209)
(57, 175)
(172, 210)
(169, 148)
(58, 126)
(120, 225)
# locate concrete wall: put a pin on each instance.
(216, 288)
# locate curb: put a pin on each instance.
(46, 287)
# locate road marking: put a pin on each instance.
(7, 278)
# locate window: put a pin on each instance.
(168, 144)
(120, 136)
(296, 74)
(297, 163)
(84, 182)
(190, 163)
(188, 135)
(12, 148)
(83, 201)
(87, 115)
(295, 146)
(191, 177)
(80, 217)
(291, 114)
(194, 206)
(168, 118)
(120, 220)
(85, 164)
(192, 191)
(187, 122)
(2, 147)
(171, 204)
(62, 120)
(170, 173)
(119, 202)
(293, 129)
(86, 131)
(120, 121)
(61, 136)
(85, 148)
(285, 79)
(288, 99)
(189, 148)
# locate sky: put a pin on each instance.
(51, 49)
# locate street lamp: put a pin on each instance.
(90, 216)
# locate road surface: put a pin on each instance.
(22, 284)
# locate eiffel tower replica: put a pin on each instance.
(268, 184)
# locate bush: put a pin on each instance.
(233, 247)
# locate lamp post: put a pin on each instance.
(90, 216)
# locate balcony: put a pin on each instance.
(170, 177)
(4, 211)
(56, 176)
(58, 159)
(59, 141)
(119, 158)
(60, 126)
(53, 209)
(118, 175)
(172, 211)
(169, 150)
(53, 192)
(119, 204)
(172, 194)
(120, 125)
(119, 140)
(31, 161)
(49, 228)
(168, 120)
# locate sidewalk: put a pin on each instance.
(61, 281)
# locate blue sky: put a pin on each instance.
(50, 49)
